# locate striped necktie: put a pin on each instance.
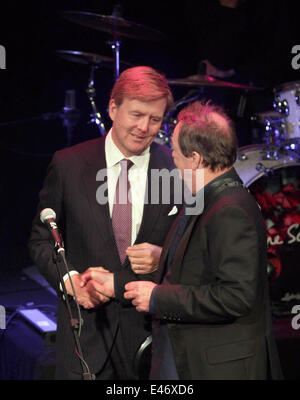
(122, 211)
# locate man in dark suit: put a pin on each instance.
(81, 187)
(211, 313)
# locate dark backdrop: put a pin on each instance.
(35, 81)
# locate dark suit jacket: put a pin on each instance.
(70, 189)
(215, 295)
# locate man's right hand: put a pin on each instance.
(87, 296)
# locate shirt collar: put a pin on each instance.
(114, 155)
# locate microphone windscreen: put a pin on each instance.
(47, 213)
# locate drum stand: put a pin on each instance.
(115, 46)
(96, 117)
(164, 135)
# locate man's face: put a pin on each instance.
(136, 124)
(184, 164)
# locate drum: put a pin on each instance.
(272, 127)
(163, 137)
(287, 103)
(275, 184)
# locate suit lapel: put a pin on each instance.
(95, 168)
(176, 263)
(166, 247)
(151, 212)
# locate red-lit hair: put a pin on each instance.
(142, 83)
(206, 129)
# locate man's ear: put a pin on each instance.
(196, 160)
(112, 108)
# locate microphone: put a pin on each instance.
(48, 216)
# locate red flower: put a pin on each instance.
(291, 218)
(283, 201)
(289, 188)
(266, 201)
(273, 231)
(276, 264)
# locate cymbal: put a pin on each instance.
(117, 26)
(207, 80)
(82, 57)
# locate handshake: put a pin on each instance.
(95, 286)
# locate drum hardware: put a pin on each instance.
(241, 106)
(117, 26)
(297, 96)
(163, 138)
(69, 116)
(96, 117)
(287, 103)
(116, 43)
(93, 61)
(115, 46)
(82, 57)
(271, 153)
(208, 80)
(251, 165)
(169, 121)
(242, 157)
(261, 168)
(275, 184)
(273, 133)
(281, 106)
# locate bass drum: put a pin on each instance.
(275, 184)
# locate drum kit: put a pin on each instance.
(118, 28)
(271, 171)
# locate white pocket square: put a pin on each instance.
(173, 211)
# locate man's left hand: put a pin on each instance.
(144, 257)
(140, 293)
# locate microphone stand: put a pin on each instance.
(59, 256)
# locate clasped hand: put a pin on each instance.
(95, 286)
(87, 290)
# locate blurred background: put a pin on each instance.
(245, 47)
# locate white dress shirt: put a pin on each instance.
(137, 176)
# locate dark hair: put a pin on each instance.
(142, 83)
(206, 129)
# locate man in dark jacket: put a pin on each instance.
(81, 187)
(211, 313)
